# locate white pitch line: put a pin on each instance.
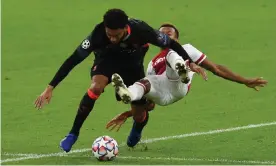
(208, 132)
(188, 159)
(145, 141)
(18, 154)
(38, 156)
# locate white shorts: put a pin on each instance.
(165, 91)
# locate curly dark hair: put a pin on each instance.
(115, 19)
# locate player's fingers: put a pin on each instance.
(256, 88)
(263, 81)
(204, 75)
(36, 101)
(107, 126)
(261, 85)
(39, 101)
(42, 101)
(110, 129)
(196, 70)
(113, 127)
(259, 79)
(42, 104)
(258, 85)
(264, 84)
(110, 123)
(119, 126)
(49, 99)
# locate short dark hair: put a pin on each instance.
(115, 19)
(172, 26)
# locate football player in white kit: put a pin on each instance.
(166, 81)
(166, 78)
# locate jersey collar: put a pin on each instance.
(128, 33)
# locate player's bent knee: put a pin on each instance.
(92, 94)
(97, 90)
(145, 83)
(141, 117)
(150, 105)
(138, 118)
(138, 109)
(99, 82)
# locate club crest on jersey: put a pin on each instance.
(95, 68)
(159, 60)
(85, 44)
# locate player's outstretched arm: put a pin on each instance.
(77, 57)
(226, 73)
(118, 120)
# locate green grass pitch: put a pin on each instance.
(38, 35)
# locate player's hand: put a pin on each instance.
(198, 70)
(117, 121)
(45, 97)
(256, 83)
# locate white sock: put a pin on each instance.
(174, 58)
(137, 91)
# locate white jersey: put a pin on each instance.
(166, 86)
